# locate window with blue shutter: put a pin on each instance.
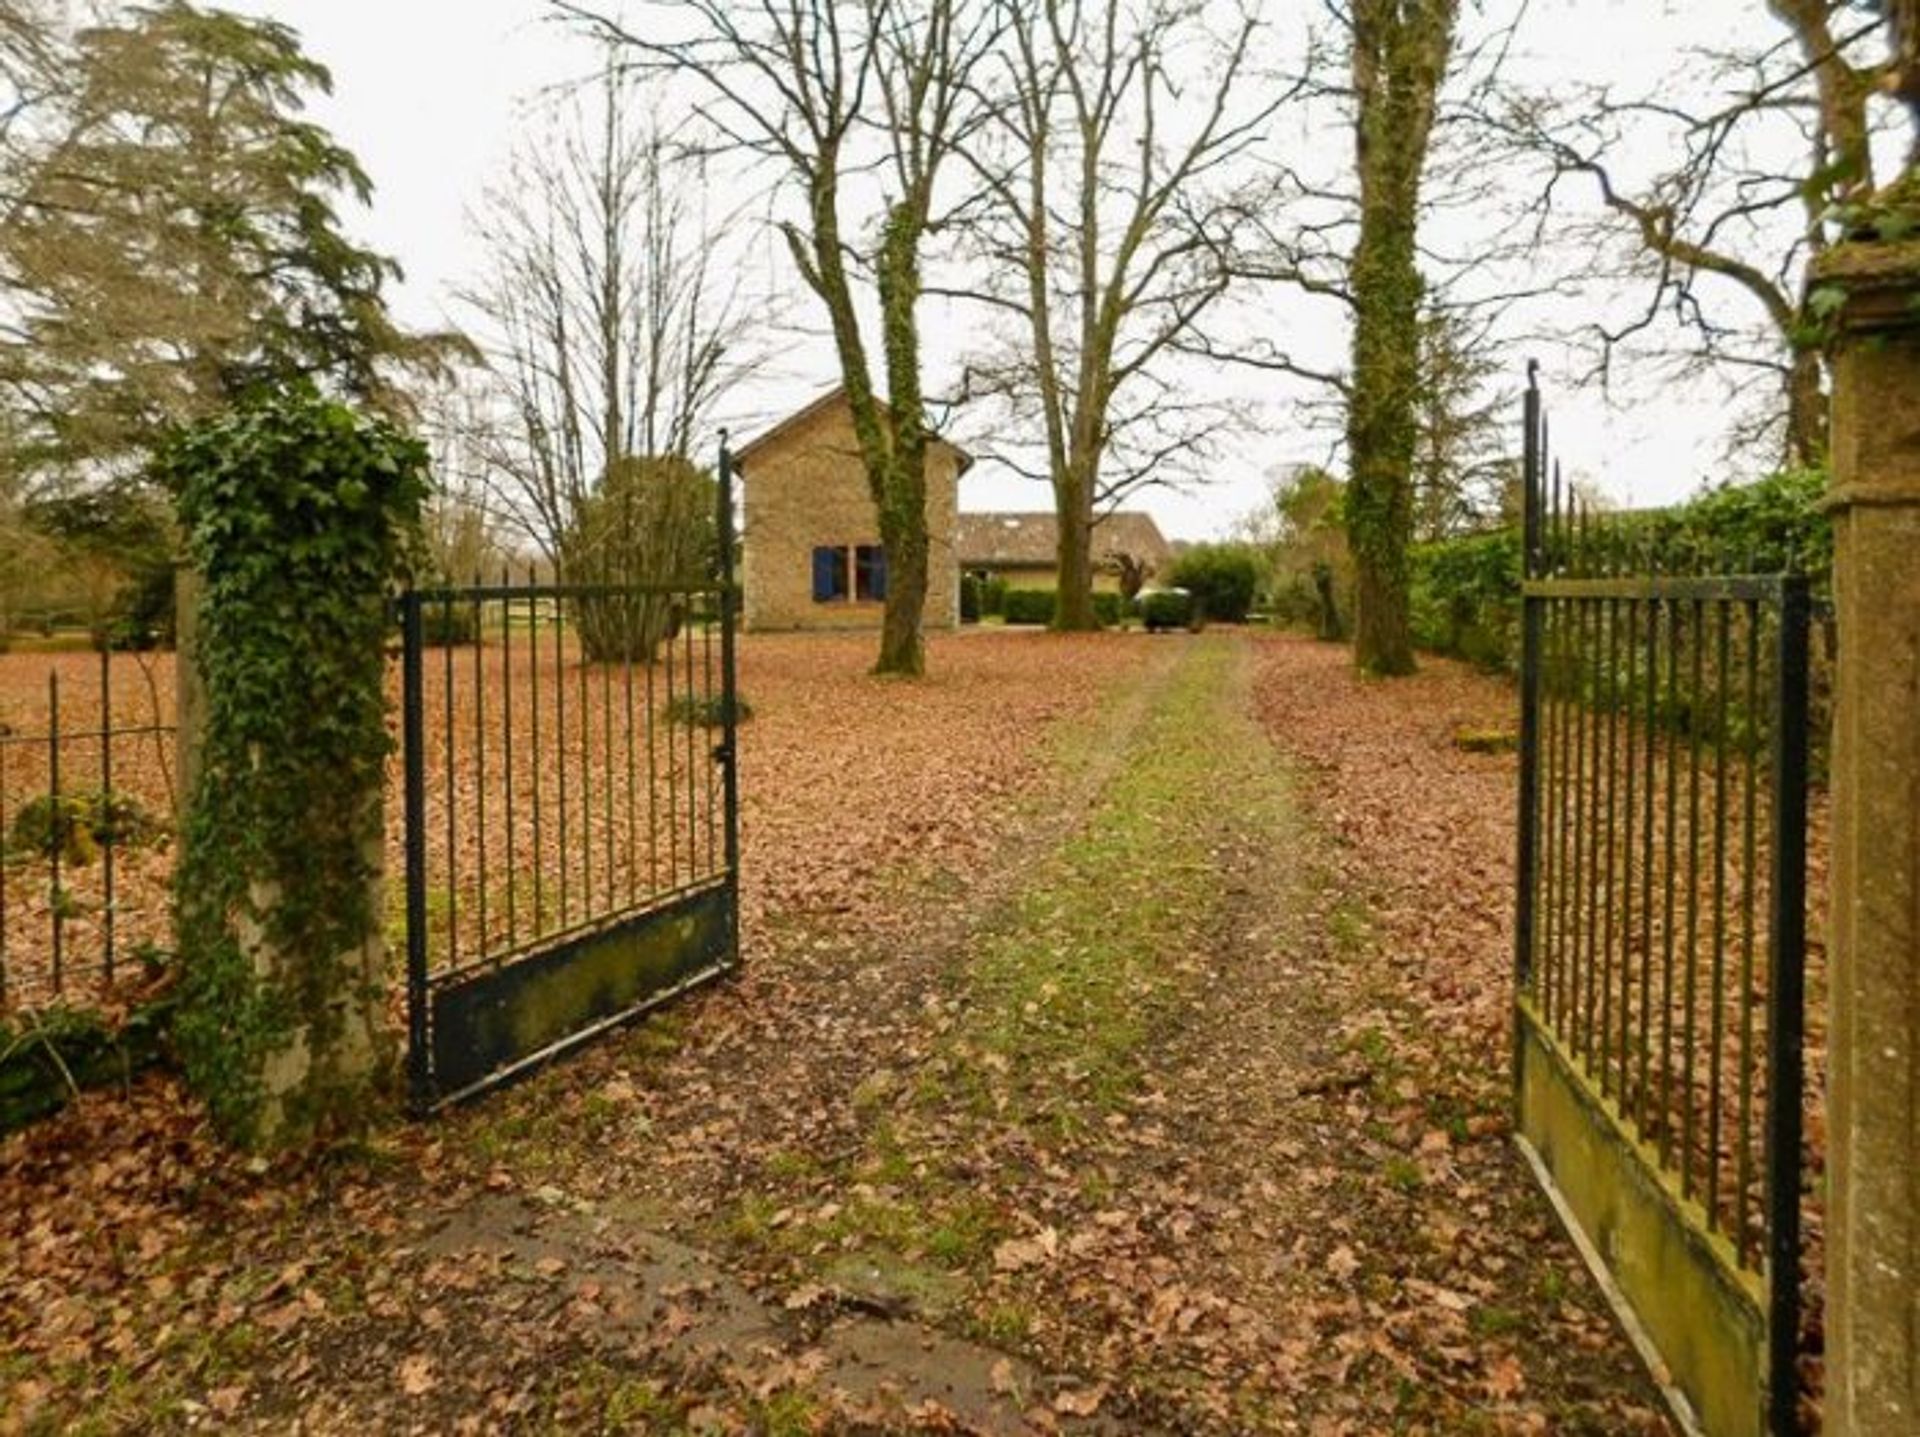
(870, 573)
(829, 574)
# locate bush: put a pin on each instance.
(1466, 598)
(1223, 579)
(706, 712)
(450, 626)
(76, 826)
(1029, 606)
(1169, 609)
(1109, 609)
(969, 599)
(993, 598)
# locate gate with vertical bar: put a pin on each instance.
(571, 812)
(1661, 936)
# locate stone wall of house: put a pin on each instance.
(805, 488)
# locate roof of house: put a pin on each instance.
(1020, 541)
(836, 395)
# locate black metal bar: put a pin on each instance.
(1749, 929)
(586, 784)
(560, 746)
(1717, 983)
(633, 772)
(482, 942)
(1647, 868)
(729, 700)
(692, 727)
(113, 825)
(1629, 811)
(1669, 934)
(413, 743)
(628, 619)
(1610, 613)
(557, 593)
(1689, 1043)
(57, 816)
(653, 775)
(506, 770)
(452, 795)
(539, 764)
(1786, 1028)
(1530, 637)
(673, 810)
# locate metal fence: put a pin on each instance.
(567, 778)
(1663, 888)
(87, 804)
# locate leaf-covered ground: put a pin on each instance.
(1118, 1051)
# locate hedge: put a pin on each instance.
(1466, 591)
(1028, 606)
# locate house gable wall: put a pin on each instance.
(805, 488)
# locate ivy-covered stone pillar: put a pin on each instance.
(297, 511)
(1870, 294)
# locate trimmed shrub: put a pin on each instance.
(1029, 606)
(1168, 609)
(1109, 609)
(1223, 579)
(993, 598)
(969, 599)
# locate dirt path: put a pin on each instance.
(1131, 1124)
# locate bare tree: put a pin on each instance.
(1116, 191)
(609, 340)
(1717, 238)
(844, 101)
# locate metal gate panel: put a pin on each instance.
(1660, 935)
(570, 803)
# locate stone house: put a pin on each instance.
(1022, 549)
(810, 553)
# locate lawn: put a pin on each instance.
(1083, 1074)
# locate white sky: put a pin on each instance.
(430, 95)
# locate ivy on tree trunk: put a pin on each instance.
(1400, 54)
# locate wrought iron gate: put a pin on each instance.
(571, 813)
(1661, 934)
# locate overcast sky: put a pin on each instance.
(430, 94)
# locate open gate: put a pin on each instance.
(571, 812)
(1661, 935)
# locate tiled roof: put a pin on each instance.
(1031, 540)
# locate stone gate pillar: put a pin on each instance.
(1873, 1225)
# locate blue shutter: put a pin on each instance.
(880, 574)
(825, 561)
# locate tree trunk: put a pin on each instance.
(1073, 608)
(1807, 411)
(1400, 54)
(1381, 436)
(903, 649)
(902, 491)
